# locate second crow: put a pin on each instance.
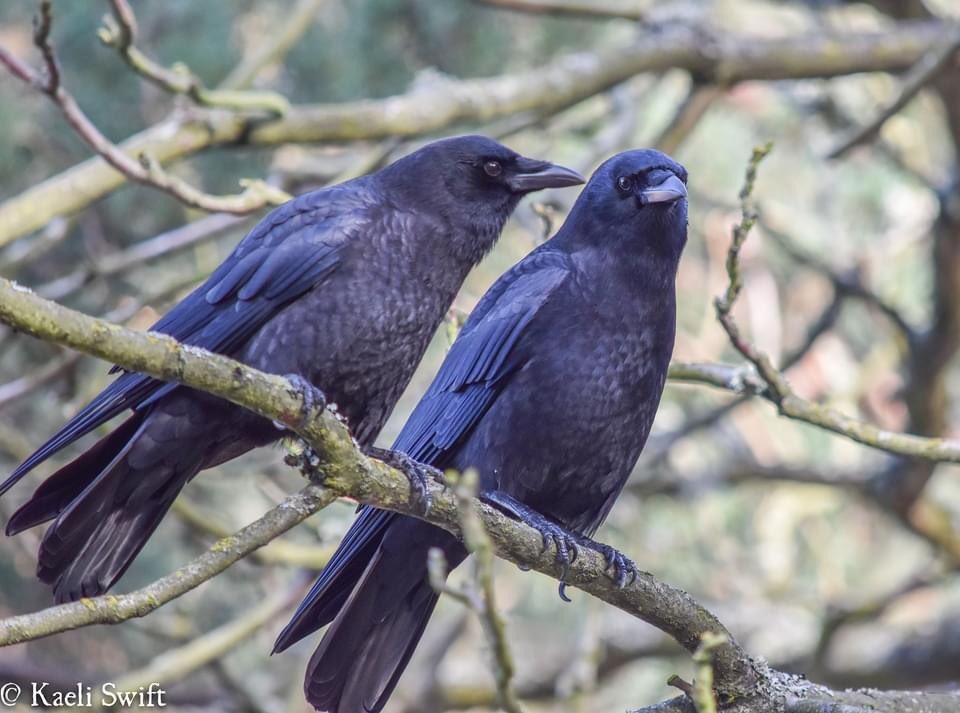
(549, 393)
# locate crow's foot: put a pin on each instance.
(313, 398)
(419, 474)
(619, 565)
(565, 543)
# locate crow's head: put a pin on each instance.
(474, 181)
(640, 197)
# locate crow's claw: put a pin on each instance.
(565, 542)
(622, 567)
(313, 398)
(419, 474)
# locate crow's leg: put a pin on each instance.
(419, 474)
(566, 543)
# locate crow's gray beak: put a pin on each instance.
(669, 191)
(537, 175)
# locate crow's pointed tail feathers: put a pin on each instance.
(107, 503)
(56, 492)
(383, 611)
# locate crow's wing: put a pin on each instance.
(481, 359)
(471, 376)
(290, 251)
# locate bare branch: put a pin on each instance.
(921, 74)
(346, 472)
(278, 551)
(120, 32)
(630, 10)
(779, 392)
(554, 86)
(113, 609)
(277, 45)
(751, 686)
(144, 169)
(691, 110)
(480, 595)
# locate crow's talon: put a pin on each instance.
(313, 398)
(420, 475)
(567, 544)
(301, 456)
(622, 567)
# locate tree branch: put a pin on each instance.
(345, 472)
(748, 685)
(144, 169)
(562, 82)
(120, 32)
(630, 10)
(480, 595)
(921, 74)
(113, 609)
(277, 45)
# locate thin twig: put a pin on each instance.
(314, 557)
(479, 596)
(120, 32)
(702, 689)
(630, 10)
(143, 169)
(113, 609)
(279, 42)
(177, 663)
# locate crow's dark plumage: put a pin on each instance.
(549, 392)
(342, 287)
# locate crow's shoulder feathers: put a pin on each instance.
(483, 356)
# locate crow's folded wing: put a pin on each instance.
(290, 251)
(478, 364)
(487, 351)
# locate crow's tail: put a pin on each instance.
(106, 503)
(383, 611)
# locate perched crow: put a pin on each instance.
(549, 392)
(341, 288)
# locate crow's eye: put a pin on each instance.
(625, 184)
(492, 168)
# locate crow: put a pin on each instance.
(549, 392)
(341, 288)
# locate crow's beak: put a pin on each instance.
(533, 175)
(668, 191)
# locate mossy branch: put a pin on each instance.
(345, 472)
(113, 609)
(141, 166)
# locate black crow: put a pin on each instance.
(341, 288)
(549, 393)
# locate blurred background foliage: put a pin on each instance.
(823, 576)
